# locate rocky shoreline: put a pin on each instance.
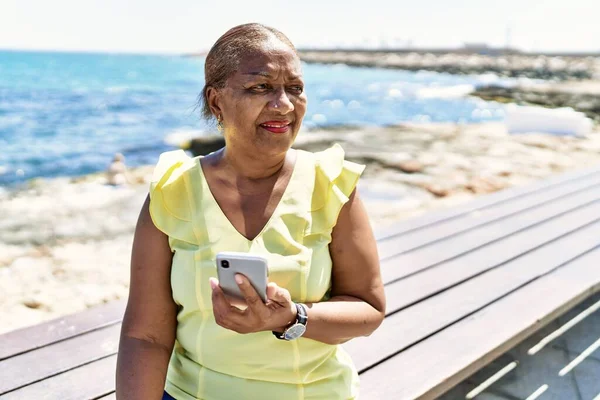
(511, 65)
(582, 96)
(65, 243)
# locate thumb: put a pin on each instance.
(272, 290)
(278, 294)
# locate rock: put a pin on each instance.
(539, 141)
(9, 253)
(32, 303)
(439, 146)
(93, 294)
(493, 167)
(593, 147)
(429, 158)
(482, 185)
(552, 97)
(409, 166)
(203, 145)
(456, 161)
(437, 190)
(416, 179)
(498, 61)
(30, 269)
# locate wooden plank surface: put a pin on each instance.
(479, 218)
(429, 282)
(457, 245)
(30, 338)
(86, 382)
(59, 357)
(484, 202)
(414, 324)
(429, 368)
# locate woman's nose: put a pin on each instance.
(281, 102)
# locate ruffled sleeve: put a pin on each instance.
(335, 180)
(170, 206)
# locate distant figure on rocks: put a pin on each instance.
(116, 173)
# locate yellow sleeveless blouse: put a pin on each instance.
(213, 363)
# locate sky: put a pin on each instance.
(184, 26)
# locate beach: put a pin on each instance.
(65, 242)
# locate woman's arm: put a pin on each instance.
(149, 324)
(357, 304)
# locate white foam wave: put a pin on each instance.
(560, 121)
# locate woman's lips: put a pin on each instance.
(276, 126)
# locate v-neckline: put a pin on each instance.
(206, 188)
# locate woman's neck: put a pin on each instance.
(253, 167)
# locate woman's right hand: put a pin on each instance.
(275, 315)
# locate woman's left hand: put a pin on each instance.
(275, 315)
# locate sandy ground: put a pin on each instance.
(65, 243)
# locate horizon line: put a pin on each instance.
(467, 47)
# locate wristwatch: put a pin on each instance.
(298, 328)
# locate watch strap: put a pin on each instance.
(301, 318)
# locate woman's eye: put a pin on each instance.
(297, 89)
(260, 88)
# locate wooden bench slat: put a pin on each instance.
(34, 337)
(414, 288)
(416, 323)
(431, 367)
(469, 221)
(86, 382)
(59, 357)
(412, 262)
(483, 202)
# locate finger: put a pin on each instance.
(254, 301)
(276, 293)
(282, 296)
(271, 290)
(222, 308)
(219, 301)
(228, 315)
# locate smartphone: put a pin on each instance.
(252, 266)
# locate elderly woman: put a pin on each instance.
(181, 337)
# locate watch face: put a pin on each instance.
(295, 331)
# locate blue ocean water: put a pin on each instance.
(68, 113)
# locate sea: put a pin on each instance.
(67, 114)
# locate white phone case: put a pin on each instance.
(252, 266)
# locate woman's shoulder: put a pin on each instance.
(171, 166)
(170, 187)
(332, 169)
(335, 178)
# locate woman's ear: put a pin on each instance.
(214, 101)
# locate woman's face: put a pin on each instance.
(263, 103)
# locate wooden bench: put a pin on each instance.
(463, 285)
